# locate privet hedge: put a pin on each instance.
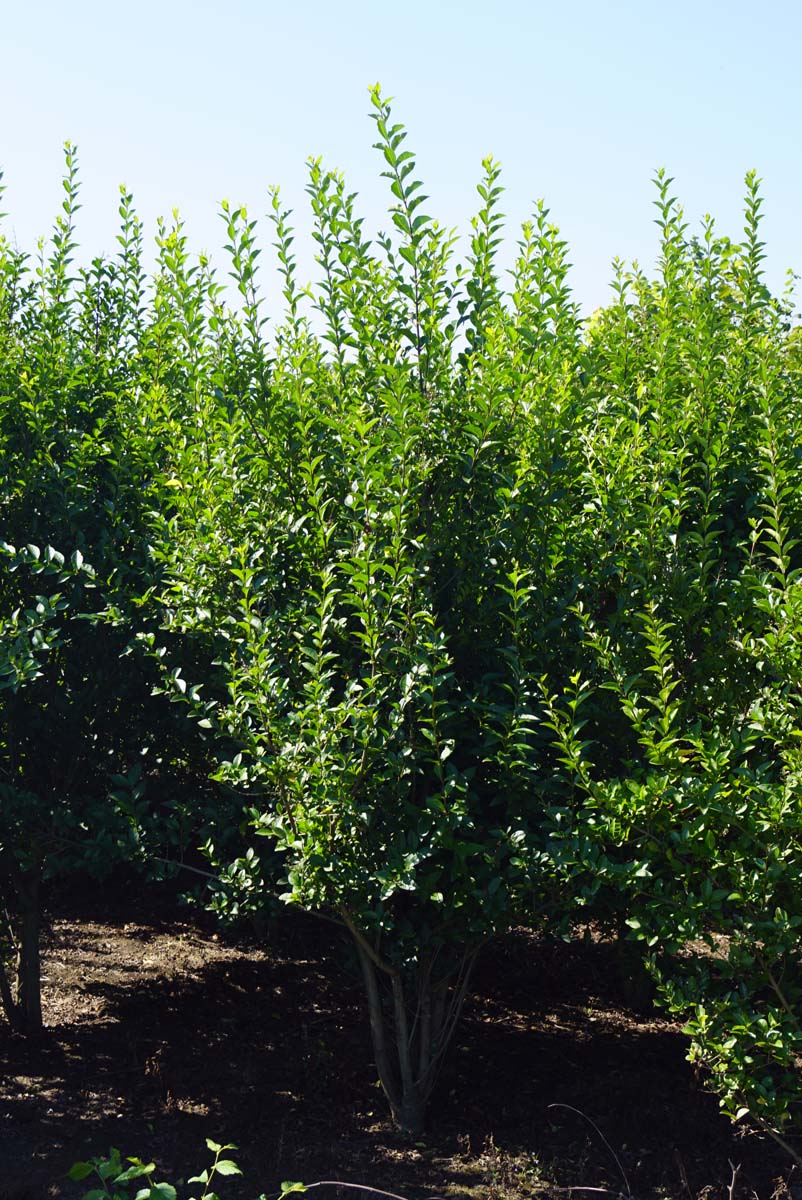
(484, 612)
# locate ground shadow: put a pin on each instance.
(165, 1032)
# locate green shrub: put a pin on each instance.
(487, 612)
(690, 819)
(375, 536)
(86, 751)
(115, 1178)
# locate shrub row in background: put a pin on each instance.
(474, 611)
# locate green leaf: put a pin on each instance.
(80, 1170)
(162, 1191)
(226, 1167)
(135, 1172)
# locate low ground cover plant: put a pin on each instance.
(486, 613)
(115, 1178)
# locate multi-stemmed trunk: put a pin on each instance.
(21, 986)
(413, 1014)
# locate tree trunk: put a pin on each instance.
(29, 964)
(8, 1000)
(22, 1002)
(410, 1116)
(411, 1026)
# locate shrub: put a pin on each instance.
(488, 613)
(691, 818)
(359, 538)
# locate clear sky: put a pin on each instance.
(188, 102)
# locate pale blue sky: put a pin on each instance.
(190, 102)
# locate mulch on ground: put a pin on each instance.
(164, 1029)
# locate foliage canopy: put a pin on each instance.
(486, 612)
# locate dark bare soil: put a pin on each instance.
(164, 1030)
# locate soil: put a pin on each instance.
(163, 1030)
